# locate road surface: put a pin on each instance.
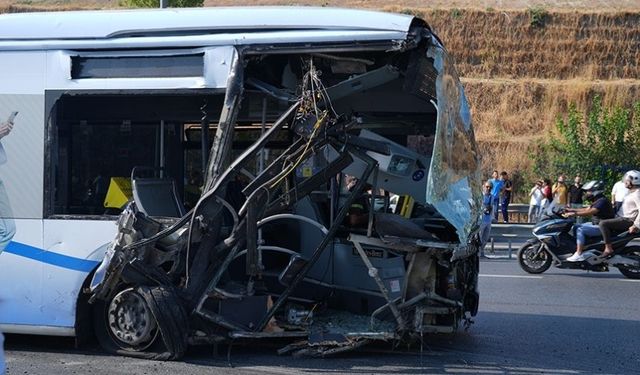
(560, 322)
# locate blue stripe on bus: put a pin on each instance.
(50, 257)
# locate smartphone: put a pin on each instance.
(12, 116)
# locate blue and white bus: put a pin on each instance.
(92, 95)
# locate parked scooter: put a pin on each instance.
(555, 242)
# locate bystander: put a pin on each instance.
(496, 189)
(487, 207)
(618, 193)
(560, 192)
(506, 196)
(535, 203)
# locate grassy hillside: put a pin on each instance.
(521, 66)
(521, 75)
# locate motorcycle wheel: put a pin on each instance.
(531, 260)
(631, 272)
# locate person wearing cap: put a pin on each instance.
(628, 219)
(600, 209)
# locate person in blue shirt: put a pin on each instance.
(487, 209)
(497, 184)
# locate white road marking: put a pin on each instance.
(511, 276)
(630, 280)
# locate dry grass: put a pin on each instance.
(506, 109)
(569, 45)
(511, 116)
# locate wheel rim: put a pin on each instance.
(130, 320)
(532, 258)
(633, 270)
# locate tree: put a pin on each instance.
(156, 3)
(599, 144)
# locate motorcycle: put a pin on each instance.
(555, 241)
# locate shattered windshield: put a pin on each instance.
(454, 177)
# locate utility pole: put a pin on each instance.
(164, 3)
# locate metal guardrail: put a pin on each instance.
(510, 234)
(517, 212)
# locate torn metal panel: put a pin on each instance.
(220, 150)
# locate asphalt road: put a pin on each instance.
(560, 322)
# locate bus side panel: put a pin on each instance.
(79, 246)
(21, 191)
(22, 148)
(21, 276)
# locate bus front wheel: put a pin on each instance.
(142, 322)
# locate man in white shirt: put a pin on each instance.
(618, 193)
(628, 219)
(535, 203)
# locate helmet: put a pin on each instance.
(594, 187)
(633, 176)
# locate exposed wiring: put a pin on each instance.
(317, 126)
(309, 83)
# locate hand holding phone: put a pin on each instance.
(7, 126)
(12, 116)
(5, 129)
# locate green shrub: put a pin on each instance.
(537, 16)
(599, 144)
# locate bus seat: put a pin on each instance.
(157, 197)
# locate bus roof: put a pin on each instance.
(107, 24)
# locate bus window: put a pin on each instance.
(95, 138)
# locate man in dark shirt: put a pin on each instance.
(575, 193)
(506, 196)
(600, 209)
(575, 196)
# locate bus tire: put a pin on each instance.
(142, 322)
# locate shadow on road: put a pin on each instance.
(499, 343)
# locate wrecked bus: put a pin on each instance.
(207, 175)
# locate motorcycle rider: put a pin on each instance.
(628, 218)
(600, 209)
